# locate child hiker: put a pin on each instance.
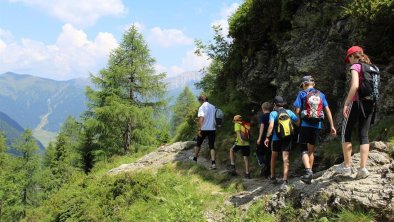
(242, 144)
(263, 153)
(281, 129)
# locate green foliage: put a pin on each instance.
(257, 212)
(166, 195)
(288, 213)
(369, 10)
(350, 215)
(122, 109)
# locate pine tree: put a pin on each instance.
(185, 103)
(121, 109)
(184, 113)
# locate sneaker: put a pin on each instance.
(213, 167)
(362, 173)
(341, 169)
(307, 178)
(247, 175)
(284, 185)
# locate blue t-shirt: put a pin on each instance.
(274, 119)
(264, 119)
(299, 103)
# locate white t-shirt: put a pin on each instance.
(207, 111)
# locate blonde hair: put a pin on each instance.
(266, 106)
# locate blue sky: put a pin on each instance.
(65, 39)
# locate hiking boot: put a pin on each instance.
(273, 180)
(232, 170)
(284, 185)
(247, 175)
(191, 158)
(362, 173)
(342, 170)
(213, 167)
(307, 177)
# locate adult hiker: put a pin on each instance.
(206, 128)
(242, 143)
(358, 107)
(281, 128)
(310, 105)
(263, 153)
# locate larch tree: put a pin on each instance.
(128, 93)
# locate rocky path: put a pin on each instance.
(327, 191)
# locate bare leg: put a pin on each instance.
(273, 162)
(196, 151)
(246, 160)
(232, 156)
(364, 151)
(347, 154)
(311, 150)
(285, 155)
(213, 154)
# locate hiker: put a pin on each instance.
(356, 109)
(206, 127)
(242, 143)
(310, 105)
(281, 128)
(263, 153)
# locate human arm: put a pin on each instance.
(333, 131)
(352, 91)
(269, 132)
(261, 130)
(199, 124)
(298, 114)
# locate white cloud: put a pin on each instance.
(193, 62)
(73, 55)
(169, 37)
(225, 13)
(78, 12)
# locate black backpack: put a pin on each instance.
(369, 86)
(370, 82)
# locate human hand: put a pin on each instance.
(266, 142)
(258, 141)
(346, 111)
(333, 131)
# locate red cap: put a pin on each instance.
(352, 50)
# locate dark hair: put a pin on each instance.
(202, 98)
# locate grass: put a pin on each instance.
(356, 216)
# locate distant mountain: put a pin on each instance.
(13, 130)
(176, 84)
(39, 103)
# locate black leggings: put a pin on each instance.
(356, 115)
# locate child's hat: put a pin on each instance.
(237, 118)
(352, 50)
(306, 79)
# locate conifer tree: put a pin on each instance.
(128, 92)
(185, 103)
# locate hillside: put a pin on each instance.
(41, 104)
(13, 130)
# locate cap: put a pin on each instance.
(306, 79)
(352, 50)
(278, 100)
(237, 118)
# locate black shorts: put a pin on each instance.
(282, 145)
(309, 135)
(245, 150)
(211, 138)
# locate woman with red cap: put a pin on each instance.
(355, 109)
